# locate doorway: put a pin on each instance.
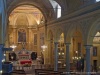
(95, 65)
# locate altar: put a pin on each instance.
(24, 57)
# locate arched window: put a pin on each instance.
(56, 7)
(97, 0)
(58, 11)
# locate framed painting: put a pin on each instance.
(42, 38)
(21, 35)
(35, 39)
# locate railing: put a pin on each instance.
(20, 67)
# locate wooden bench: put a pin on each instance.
(18, 72)
(46, 72)
(49, 73)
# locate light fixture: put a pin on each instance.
(59, 62)
(62, 53)
(44, 47)
(1, 72)
(76, 52)
(12, 57)
(76, 58)
(64, 65)
(3, 60)
(4, 54)
(13, 46)
(59, 53)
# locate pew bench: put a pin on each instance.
(46, 72)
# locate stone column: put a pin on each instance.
(56, 56)
(67, 59)
(1, 26)
(88, 61)
(1, 56)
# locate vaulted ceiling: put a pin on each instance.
(44, 6)
(26, 15)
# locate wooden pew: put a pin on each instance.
(37, 71)
(18, 72)
(46, 72)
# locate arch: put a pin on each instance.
(62, 37)
(50, 34)
(72, 29)
(33, 16)
(93, 30)
(74, 36)
(58, 33)
(44, 11)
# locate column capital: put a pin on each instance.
(88, 46)
(67, 43)
(55, 42)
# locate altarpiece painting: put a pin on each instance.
(21, 35)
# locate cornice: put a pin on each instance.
(82, 13)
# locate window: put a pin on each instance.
(56, 7)
(94, 51)
(97, 0)
(58, 11)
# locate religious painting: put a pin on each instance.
(21, 35)
(94, 51)
(35, 39)
(41, 39)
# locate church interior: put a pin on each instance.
(48, 36)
